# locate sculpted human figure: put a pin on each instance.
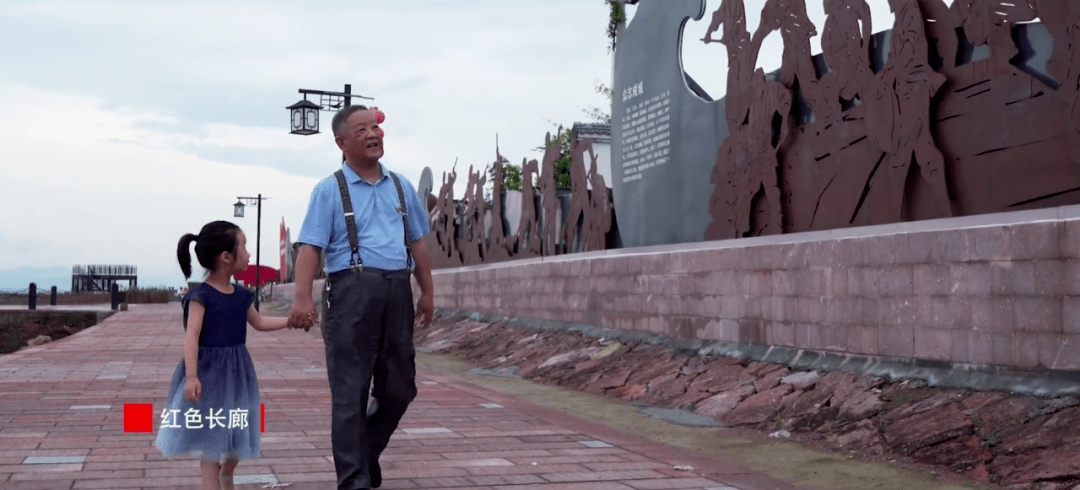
(730, 160)
(598, 218)
(989, 22)
(772, 100)
(547, 194)
(748, 163)
(579, 196)
(466, 220)
(941, 24)
(528, 240)
(847, 52)
(1062, 19)
(497, 247)
(742, 55)
(747, 160)
(791, 19)
(734, 158)
(900, 116)
(445, 232)
(472, 250)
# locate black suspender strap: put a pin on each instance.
(404, 219)
(350, 222)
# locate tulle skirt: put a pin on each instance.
(225, 422)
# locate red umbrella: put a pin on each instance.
(266, 274)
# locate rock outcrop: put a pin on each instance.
(1019, 442)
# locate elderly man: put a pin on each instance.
(367, 305)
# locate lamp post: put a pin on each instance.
(304, 115)
(238, 212)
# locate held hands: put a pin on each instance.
(303, 316)
(305, 322)
(311, 320)
(193, 390)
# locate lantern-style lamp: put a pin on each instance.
(238, 209)
(305, 117)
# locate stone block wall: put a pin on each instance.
(1000, 289)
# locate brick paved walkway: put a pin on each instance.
(61, 424)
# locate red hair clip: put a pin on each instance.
(380, 116)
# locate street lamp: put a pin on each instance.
(238, 211)
(304, 115)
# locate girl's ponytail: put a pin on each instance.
(214, 239)
(183, 253)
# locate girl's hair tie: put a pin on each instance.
(380, 116)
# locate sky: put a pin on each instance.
(125, 124)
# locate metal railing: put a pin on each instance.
(104, 270)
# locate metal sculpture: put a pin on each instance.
(1002, 121)
(901, 118)
(791, 19)
(989, 22)
(473, 244)
(579, 199)
(528, 234)
(498, 247)
(598, 218)
(747, 161)
(938, 130)
(444, 222)
(950, 113)
(742, 56)
(939, 22)
(461, 238)
(847, 51)
(1062, 19)
(548, 202)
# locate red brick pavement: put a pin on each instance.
(66, 399)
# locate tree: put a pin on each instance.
(562, 170)
(511, 176)
(616, 17)
(511, 180)
(616, 23)
(562, 164)
(595, 113)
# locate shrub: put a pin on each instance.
(149, 295)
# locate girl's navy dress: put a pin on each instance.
(225, 422)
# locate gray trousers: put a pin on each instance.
(367, 327)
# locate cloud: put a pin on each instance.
(460, 65)
(101, 201)
(126, 124)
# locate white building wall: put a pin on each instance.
(602, 148)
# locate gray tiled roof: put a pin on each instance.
(592, 128)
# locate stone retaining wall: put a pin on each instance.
(999, 289)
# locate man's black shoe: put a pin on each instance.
(375, 473)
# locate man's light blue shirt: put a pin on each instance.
(378, 223)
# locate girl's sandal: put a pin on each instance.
(226, 480)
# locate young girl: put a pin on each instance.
(212, 410)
